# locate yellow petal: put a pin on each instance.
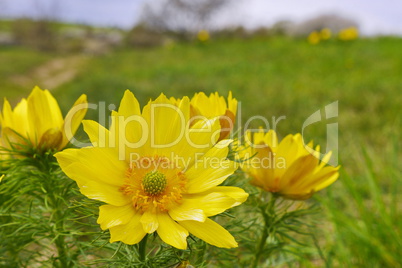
(167, 123)
(129, 105)
(257, 138)
(110, 216)
(327, 182)
(130, 233)
(300, 170)
(321, 179)
(149, 221)
(100, 164)
(199, 139)
(227, 122)
(232, 103)
(11, 139)
(73, 119)
(325, 160)
(94, 188)
(43, 113)
(17, 119)
(7, 115)
(171, 232)
(98, 135)
(238, 194)
(187, 211)
(210, 232)
(271, 139)
(129, 128)
(211, 170)
(67, 157)
(212, 203)
(264, 171)
(288, 150)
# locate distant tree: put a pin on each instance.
(182, 16)
(47, 10)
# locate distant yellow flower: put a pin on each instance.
(348, 34)
(314, 38)
(203, 35)
(287, 168)
(155, 173)
(325, 34)
(215, 106)
(37, 122)
(184, 264)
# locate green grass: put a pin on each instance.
(16, 62)
(275, 77)
(271, 77)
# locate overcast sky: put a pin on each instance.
(374, 16)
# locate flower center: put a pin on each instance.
(154, 183)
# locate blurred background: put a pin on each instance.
(279, 58)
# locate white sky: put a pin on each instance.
(374, 16)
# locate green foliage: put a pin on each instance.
(365, 215)
(14, 62)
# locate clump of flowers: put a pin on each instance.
(316, 37)
(290, 168)
(165, 169)
(37, 122)
(155, 173)
(325, 34)
(313, 38)
(203, 35)
(348, 34)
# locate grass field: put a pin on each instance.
(361, 224)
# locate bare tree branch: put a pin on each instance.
(183, 16)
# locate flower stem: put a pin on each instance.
(261, 247)
(55, 191)
(142, 248)
(58, 220)
(268, 214)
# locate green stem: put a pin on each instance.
(261, 247)
(267, 220)
(59, 224)
(55, 192)
(142, 248)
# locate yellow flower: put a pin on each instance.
(184, 264)
(287, 168)
(203, 35)
(155, 173)
(37, 122)
(348, 34)
(215, 106)
(314, 38)
(325, 34)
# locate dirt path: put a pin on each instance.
(51, 74)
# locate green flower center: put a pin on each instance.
(154, 183)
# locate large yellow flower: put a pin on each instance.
(37, 122)
(213, 106)
(287, 168)
(155, 173)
